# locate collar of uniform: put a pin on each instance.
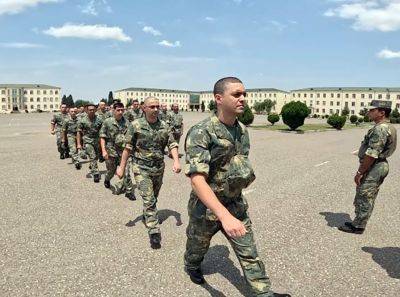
(222, 131)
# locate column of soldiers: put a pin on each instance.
(217, 164)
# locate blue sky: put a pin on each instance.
(89, 47)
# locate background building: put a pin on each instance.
(30, 97)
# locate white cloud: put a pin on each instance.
(388, 54)
(209, 19)
(167, 43)
(99, 32)
(93, 7)
(17, 6)
(20, 45)
(151, 30)
(278, 26)
(369, 15)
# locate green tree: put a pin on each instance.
(129, 103)
(353, 119)
(273, 118)
(266, 106)
(258, 107)
(212, 106)
(110, 98)
(345, 111)
(203, 106)
(80, 102)
(64, 99)
(294, 114)
(337, 121)
(363, 112)
(360, 120)
(395, 113)
(247, 117)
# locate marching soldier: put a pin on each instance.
(56, 126)
(69, 130)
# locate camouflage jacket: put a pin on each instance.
(175, 120)
(211, 150)
(380, 142)
(132, 115)
(70, 126)
(147, 143)
(113, 132)
(162, 116)
(58, 120)
(103, 115)
(90, 129)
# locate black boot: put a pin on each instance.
(130, 196)
(78, 166)
(62, 157)
(196, 276)
(155, 241)
(96, 177)
(107, 184)
(281, 295)
(66, 155)
(349, 228)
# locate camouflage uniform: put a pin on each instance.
(82, 154)
(162, 116)
(57, 121)
(175, 120)
(70, 127)
(103, 115)
(147, 143)
(379, 143)
(113, 132)
(222, 157)
(90, 130)
(133, 114)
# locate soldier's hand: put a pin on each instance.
(79, 147)
(176, 167)
(233, 227)
(119, 172)
(52, 132)
(357, 179)
(105, 155)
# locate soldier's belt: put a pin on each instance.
(148, 163)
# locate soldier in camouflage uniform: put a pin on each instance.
(217, 163)
(175, 120)
(69, 130)
(379, 144)
(88, 130)
(112, 143)
(146, 140)
(102, 112)
(82, 113)
(135, 112)
(162, 115)
(56, 125)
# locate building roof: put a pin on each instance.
(194, 92)
(28, 86)
(349, 89)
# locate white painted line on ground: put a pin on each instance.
(320, 164)
(248, 191)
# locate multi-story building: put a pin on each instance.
(30, 97)
(326, 101)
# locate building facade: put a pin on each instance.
(327, 101)
(30, 97)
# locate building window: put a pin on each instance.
(37, 99)
(370, 96)
(347, 95)
(362, 96)
(338, 96)
(380, 96)
(331, 111)
(324, 95)
(337, 103)
(337, 111)
(317, 110)
(332, 95)
(44, 92)
(331, 103)
(317, 102)
(323, 110)
(353, 96)
(38, 92)
(32, 107)
(318, 95)
(362, 104)
(353, 104)
(352, 112)
(346, 104)
(311, 95)
(324, 103)
(388, 97)
(305, 95)
(3, 92)
(398, 97)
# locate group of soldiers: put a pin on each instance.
(133, 144)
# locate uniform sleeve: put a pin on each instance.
(197, 152)
(53, 120)
(130, 137)
(80, 126)
(103, 130)
(171, 140)
(377, 142)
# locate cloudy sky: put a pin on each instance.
(89, 47)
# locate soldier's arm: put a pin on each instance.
(79, 136)
(130, 140)
(173, 149)
(103, 136)
(64, 132)
(52, 125)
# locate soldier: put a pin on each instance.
(88, 130)
(69, 130)
(175, 120)
(146, 140)
(135, 112)
(219, 169)
(162, 116)
(102, 112)
(379, 144)
(82, 113)
(112, 143)
(56, 125)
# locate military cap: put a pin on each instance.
(380, 104)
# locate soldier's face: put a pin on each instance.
(135, 105)
(91, 110)
(119, 112)
(72, 112)
(63, 108)
(102, 106)
(375, 114)
(175, 107)
(151, 109)
(163, 107)
(233, 98)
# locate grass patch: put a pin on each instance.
(306, 127)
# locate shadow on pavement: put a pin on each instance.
(387, 257)
(336, 219)
(217, 261)
(163, 214)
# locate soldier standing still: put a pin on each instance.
(69, 130)
(175, 120)
(217, 164)
(379, 144)
(146, 141)
(135, 112)
(55, 128)
(88, 131)
(112, 143)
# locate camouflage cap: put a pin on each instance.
(380, 104)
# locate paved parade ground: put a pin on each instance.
(63, 235)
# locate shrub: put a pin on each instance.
(360, 120)
(337, 121)
(345, 111)
(247, 117)
(294, 113)
(394, 120)
(212, 106)
(366, 119)
(315, 116)
(395, 113)
(353, 119)
(273, 118)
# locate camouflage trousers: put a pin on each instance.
(72, 148)
(93, 152)
(124, 184)
(367, 191)
(149, 186)
(61, 149)
(199, 233)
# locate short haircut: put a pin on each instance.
(90, 104)
(118, 105)
(386, 110)
(220, 85)
(150, 99)
(135, 100)
(141, 102)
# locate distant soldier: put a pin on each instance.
(102, 112)
(162, 115)
(69, 130)
(88, 130)
(175, 120)
(379, 144)
(135, 112)
(218, 166)
(56, 126)
(112, 142)
(146, 140)
(81, 112)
